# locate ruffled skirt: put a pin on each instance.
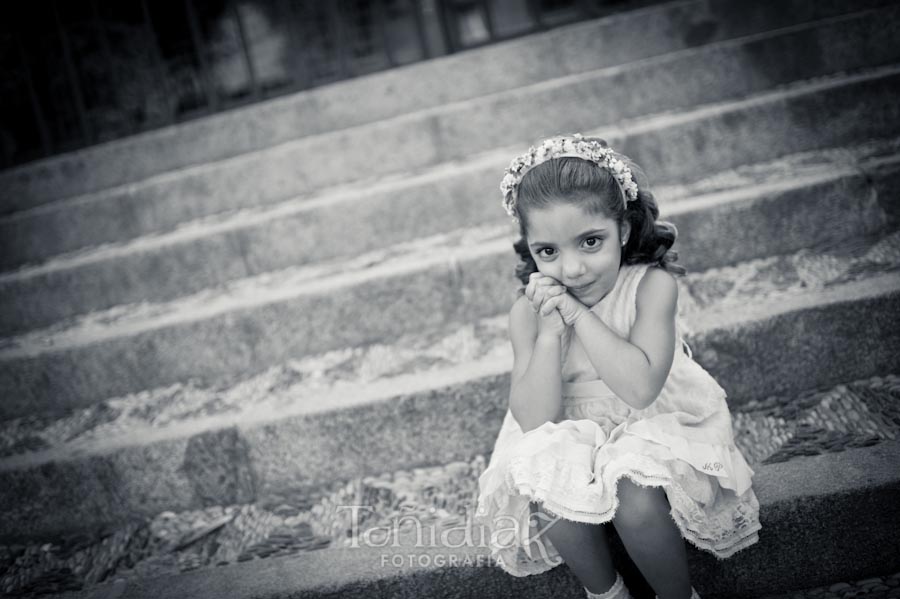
(573, 468)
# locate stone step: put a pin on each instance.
(883, 586)
(457, 131)
(762, 328)
(211, 253)
(849, 494)
(574, 49)
(250, 324)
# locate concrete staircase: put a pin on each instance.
(309, 290)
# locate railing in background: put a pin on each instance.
(80, 72)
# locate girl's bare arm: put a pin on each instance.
(535, 382)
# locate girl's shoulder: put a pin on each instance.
(657, 290)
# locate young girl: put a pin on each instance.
(609, 420)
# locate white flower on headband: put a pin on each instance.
(565, 146)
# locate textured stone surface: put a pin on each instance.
(218, 465)
(874, 587)
(755, 130)
(242, 341)
(95, 491)
(813, 345)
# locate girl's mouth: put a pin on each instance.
(580, 289)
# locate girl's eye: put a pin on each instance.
(593, 242)
(545, 255)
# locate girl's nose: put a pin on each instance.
(572, 269)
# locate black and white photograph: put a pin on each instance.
(450, 299)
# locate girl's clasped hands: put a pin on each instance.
(550, 299)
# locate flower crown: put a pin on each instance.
(565, 146)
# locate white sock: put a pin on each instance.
(617, 591)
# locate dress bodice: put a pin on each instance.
(584, 394)
(688, 387)
(617, 310)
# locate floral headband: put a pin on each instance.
(565, 146)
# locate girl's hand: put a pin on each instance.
(550, 323)
(543, 290)
(540, 288)
(569, 308)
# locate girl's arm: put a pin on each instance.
(636, 369)
(536, 379)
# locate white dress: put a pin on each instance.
(682, 442)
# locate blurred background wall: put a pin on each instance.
(82, 72)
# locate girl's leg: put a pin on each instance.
(584, 548)
(652, 539)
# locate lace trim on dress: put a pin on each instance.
(738, 529)
(722, 533)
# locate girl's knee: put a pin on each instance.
(639, 505)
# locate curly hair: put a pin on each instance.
(594, 188)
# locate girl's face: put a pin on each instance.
(579, 249)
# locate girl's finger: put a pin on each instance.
(546, 293)
(545, 282)
(535, 300)
(541, 294)
(530, 290)
(556, 290)
(548, 306)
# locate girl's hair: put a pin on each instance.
(595, 189)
